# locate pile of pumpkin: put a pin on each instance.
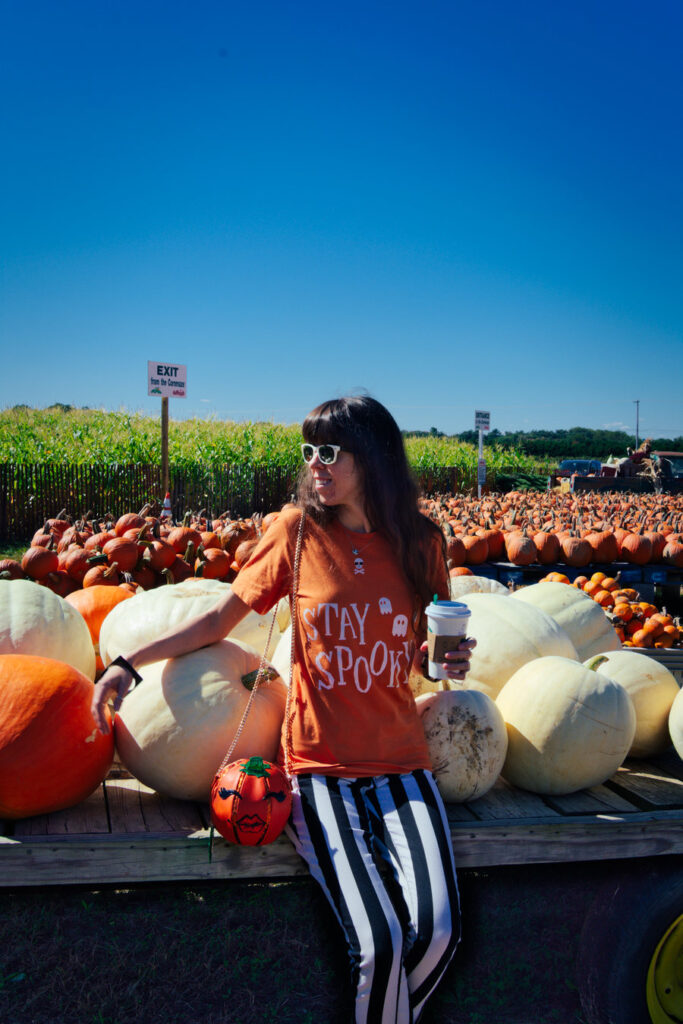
(135, 550)
(549, 528)
(537, 707)
(637, 623)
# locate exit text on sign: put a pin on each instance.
(168, 380)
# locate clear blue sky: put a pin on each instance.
(454, 205)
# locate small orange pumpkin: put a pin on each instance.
(250, 801)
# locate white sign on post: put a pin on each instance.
(482, 420)
(481, 471)
(166, 380)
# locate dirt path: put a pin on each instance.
(255, 954)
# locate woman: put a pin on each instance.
(363, 792)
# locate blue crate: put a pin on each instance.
(487, 570)
(634, 574)
(655, 573)
(515, 576)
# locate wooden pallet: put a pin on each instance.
(127, 833)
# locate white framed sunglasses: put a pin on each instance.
(327, 453)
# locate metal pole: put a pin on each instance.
(481, 456)
(637, 405)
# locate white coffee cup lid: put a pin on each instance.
(447, 609)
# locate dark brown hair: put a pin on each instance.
(366, 428)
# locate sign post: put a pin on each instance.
(166, 380)
(482, 422)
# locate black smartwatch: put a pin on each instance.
(122, 663)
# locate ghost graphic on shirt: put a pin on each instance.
(400, 626)
(385, 606)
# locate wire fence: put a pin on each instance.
(30, 494)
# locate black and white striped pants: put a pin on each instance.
(402, 925)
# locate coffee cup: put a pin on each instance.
(446, 628)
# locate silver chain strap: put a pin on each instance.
(292, 610)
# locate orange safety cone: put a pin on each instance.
(166, 508)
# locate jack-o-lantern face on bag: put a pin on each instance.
(250, 802)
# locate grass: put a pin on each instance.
(14, 549)
(253, 954)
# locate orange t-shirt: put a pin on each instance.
(353, 713)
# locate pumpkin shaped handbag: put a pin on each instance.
(251, 798)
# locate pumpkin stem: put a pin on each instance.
(594, 662)
(256, 766)
(249, 679)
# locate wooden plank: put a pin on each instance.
(44, 860)
(135, 808)
(647, 785)
(87, 818)
(599, 837)
(596, 800)
(95, 860)
(459, 812)
(504, 801)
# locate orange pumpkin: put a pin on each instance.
(641, 638)
(636, 548)
(476, 549)
(623, 611)
(51, 753)
(520, 548)
(455, 550)
(214, 564)
(94, 604)
(547, 547)
(39, 561)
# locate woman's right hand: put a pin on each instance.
(113, 683)
(200, 631)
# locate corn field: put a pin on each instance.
(85, 459)
(90, 436)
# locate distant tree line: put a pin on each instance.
(578, 442)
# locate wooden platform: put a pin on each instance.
(127, 833)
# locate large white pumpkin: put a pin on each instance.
(652, 688)
(155, 612)
(174, 729)
(569, 727)
(462, 585)
(676, 723)
(467, 741)
(580, 617)
(509, 634)
(34, 620)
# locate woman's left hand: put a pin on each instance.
(457, 663)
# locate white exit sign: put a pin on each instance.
(167, 380)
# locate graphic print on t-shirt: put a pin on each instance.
(341, 652)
